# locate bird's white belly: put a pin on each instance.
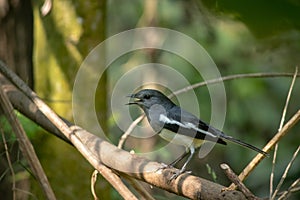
(180, 139)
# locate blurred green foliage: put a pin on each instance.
(240, 36)
(263, 18)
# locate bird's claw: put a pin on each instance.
(178, 173)
(164, 166)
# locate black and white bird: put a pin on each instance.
(183, 128)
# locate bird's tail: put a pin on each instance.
(231, 139)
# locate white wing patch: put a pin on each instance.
(188, 125)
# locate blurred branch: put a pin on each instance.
(292, 188)
(138, 187)
(9, 163)
(46, 7)
(149, 14)
(280, 127)
(288, 99)
(100, 153)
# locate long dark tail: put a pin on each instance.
(231, 139)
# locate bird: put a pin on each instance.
(178, 126)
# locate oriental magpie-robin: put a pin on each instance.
(183, 128)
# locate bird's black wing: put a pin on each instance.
(201, 130)
(185, 123)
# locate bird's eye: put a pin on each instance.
(147, 96)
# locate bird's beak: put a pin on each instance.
(136, 100)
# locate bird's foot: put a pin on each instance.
(178, 173)
(164, 166)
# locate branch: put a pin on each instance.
(235, 179)
(129, 130)
(232, 77)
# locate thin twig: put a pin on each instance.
(273, 170)
(292, 188)
(235, 179)
(288, 99)
(285, 173)
(129, 130)
(93, 183)
(279, 129)
(9, 164)
(232, 77)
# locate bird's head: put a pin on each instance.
(147, 98)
